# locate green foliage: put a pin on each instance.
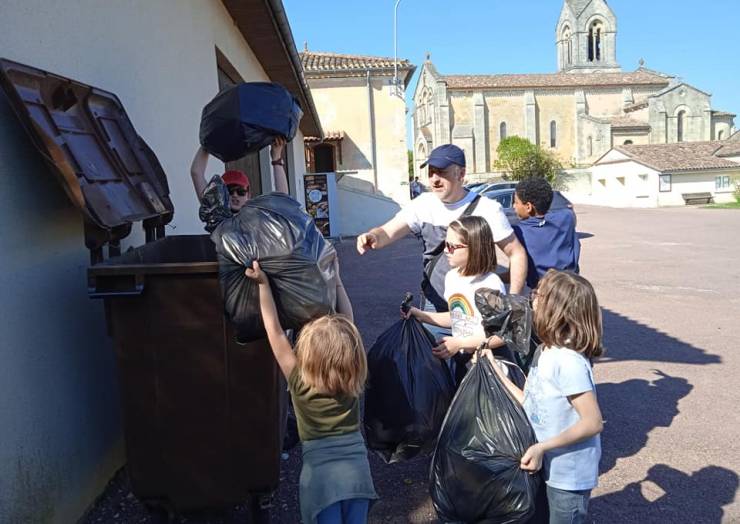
(519, 158)
(411, 164)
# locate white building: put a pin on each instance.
(61, 432)
(664, 175)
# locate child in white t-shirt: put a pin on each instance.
(471, 253)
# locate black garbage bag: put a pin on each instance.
(408, 392)
(275, 230)
(475, 473)
(246, 117)
(507, 316)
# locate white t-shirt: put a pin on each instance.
(428, 217)
(460, 296)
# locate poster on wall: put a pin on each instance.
(317, 201)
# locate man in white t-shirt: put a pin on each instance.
(430, 213)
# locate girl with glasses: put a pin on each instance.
(471, 253)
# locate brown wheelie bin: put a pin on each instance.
(201, 412)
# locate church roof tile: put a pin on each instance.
(681, 156)
(553, 80)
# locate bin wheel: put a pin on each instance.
(161, 513)
(259, 509)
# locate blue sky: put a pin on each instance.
(697, 41)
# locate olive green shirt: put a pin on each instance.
(320, 415)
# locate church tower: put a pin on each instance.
(586, 37)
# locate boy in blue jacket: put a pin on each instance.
(549, 237)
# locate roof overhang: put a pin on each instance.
(264, 25)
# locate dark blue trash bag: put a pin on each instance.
(475, 473)
(246, 117)
(408, 393)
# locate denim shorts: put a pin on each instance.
(568, 507)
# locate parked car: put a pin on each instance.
(477, 187)
(505, 197)
(495, 186)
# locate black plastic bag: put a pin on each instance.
(275, 230)
(408, 393)
(246, 117)
(507, 316)
(475, 473)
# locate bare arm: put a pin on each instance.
(379, 237)
(441, 319)
(198, 170)
(275, 335)
(517, 393)
(517, 262)
(590, 423)
(344, 306)
(278, 170)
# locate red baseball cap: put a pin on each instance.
(236, 178)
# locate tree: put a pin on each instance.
(411, 164)
(519, 158)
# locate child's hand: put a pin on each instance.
(448, 347)
(410, 313)
(276, 149)
(256, 274)
(532, 459)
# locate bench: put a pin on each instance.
(697, 198)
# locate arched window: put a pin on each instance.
(553, 134)
(590, 146)
(721, 135)
(680, 125)
(595, 32)
(627, 142)
(502, 131)
(567, 46)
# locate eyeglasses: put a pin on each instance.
(237, 190)
(452, 247)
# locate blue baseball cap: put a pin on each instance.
(443, 156)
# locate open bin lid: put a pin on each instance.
(84, 133)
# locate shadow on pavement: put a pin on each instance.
(670, 495)
(627, 339)
(632, 409)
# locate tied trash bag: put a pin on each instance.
(475, 473)
(300, 263)
(507, 316)
(408, 393)
(246, 117)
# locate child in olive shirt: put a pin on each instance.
(326, 376)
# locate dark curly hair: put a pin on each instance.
(536, 191)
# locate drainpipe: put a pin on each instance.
(371, 115)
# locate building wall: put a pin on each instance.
(697, 183)
(503, 107)
(61, 436)
(561, 108)
(343, 105)
(604, 102)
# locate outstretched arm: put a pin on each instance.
(379, 237)
(275, 335)
(278, 170)
(198, 172)
(344, 306)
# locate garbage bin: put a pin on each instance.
(202, 414)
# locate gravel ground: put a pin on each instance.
(669, 284)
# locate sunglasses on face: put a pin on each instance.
(237, 190)
(452, 247)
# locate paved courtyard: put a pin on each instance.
(669, 284)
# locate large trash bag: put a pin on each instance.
(408, 392)
(507, 316)
(475, 473)
(246, 117)
(275, 230)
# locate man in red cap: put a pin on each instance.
(236, 181)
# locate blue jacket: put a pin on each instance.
(551, 243)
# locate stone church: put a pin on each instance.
(580, 112)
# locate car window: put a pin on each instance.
(504, 200)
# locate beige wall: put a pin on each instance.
(58, 391)
(461, 108)
(604, 102)
(562, 109)
(503, 107)
(343, 105)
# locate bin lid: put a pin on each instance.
(84, 133)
